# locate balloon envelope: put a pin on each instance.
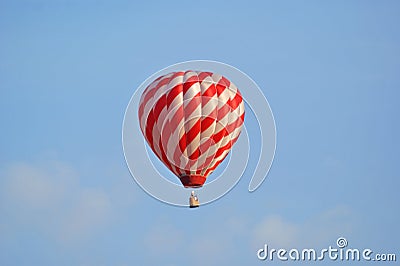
(191, 119)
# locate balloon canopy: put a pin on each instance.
(191, 119)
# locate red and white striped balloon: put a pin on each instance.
(191, 119)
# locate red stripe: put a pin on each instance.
(236, 101)
(220, 89)
(235, 124)
(164, 158)
(223, 111)
(224, 81)
(149, 129)
(208, 94)
(159, 106)
(204, 75)
(187, 85)
(191, 105)
(191, 79)
(219, 135)
(224, 148)
(145, 100)
(211, 169)
(191, 134)
(205, 149)
(206, 122)
(173, 93)
(161, 82)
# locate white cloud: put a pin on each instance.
(210, 244)
(326, 227)
(237, 225)
(49, 197)
(321, 229)
(32, 187)
(163, 238)
(91, 211)
(276, 231)
(212, 248)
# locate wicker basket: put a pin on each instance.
(194, 202)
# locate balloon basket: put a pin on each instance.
(193, 203)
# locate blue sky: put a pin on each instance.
(330, 72)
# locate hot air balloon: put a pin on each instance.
(191, 119)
